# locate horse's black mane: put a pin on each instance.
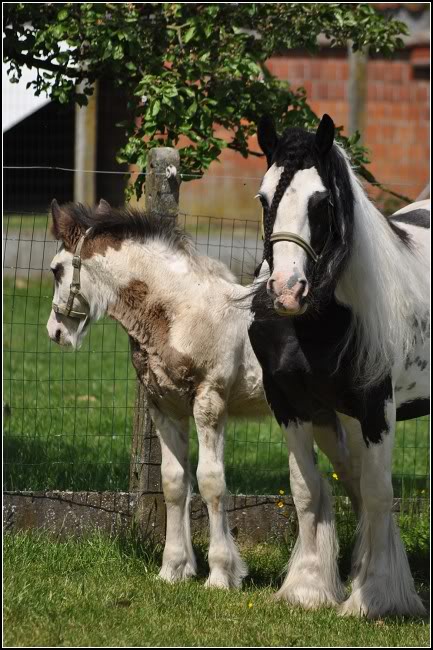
(129, 222)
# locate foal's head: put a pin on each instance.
(307, 212)
(77, 296)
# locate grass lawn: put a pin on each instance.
(102, 592)
(68, 416)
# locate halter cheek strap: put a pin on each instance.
(75, 288)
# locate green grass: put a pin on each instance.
(68, 416)
(102, 592)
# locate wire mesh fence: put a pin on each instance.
(68, 416)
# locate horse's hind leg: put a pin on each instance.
(226, 566)
(382, 583)
(178, 562)
(312, 579)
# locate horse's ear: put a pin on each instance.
(103, 207)
(56, 215)
(267, 136)
(63, 226)
(325, 135)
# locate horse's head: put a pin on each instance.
(76, 301)
(305, 233)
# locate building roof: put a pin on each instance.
(18, 102)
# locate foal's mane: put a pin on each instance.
(141, 226)
(128, 222)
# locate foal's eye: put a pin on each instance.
(57, 271)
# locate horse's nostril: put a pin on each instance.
(58, 335)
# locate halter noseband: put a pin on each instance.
(296, 239)
(75, 289)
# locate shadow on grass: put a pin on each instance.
(267, 561)
(36, 464)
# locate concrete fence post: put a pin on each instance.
(357, 91)
(162, 198)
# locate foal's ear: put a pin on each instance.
(57, 219)
(325, 135)
(63, 226)
(267, 136)
(103, 207)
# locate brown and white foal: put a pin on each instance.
(190, 349)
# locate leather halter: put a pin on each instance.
(296, 239)
(75, 289)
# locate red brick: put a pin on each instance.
(316, 69)
(342, 70)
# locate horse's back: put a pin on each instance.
(415, 215)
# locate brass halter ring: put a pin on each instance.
(75, 288)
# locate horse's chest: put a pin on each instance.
(172, 381)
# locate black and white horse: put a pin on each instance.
(341, 320)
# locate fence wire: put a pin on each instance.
(68, 415)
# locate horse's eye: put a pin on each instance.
(317, 201)
(57, 271)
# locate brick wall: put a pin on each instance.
(397, 126)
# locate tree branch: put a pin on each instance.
(31, 62)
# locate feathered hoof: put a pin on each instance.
(217, 579)
(307, 597)
(364, 602)
(170, 573)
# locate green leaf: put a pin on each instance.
(156, 107)
(189, 34)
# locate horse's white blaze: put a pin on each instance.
(312, 579)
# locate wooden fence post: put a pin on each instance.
(162, 197)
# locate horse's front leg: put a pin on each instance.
(226, 566)
(340, 446)
(382, 583)
(312, 579)
(178, 562)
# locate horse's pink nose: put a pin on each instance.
(288, 293)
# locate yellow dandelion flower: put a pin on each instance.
(280, 504)
(335, 476)
(250, 605)
(281, 492)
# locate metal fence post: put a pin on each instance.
(162, 198)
